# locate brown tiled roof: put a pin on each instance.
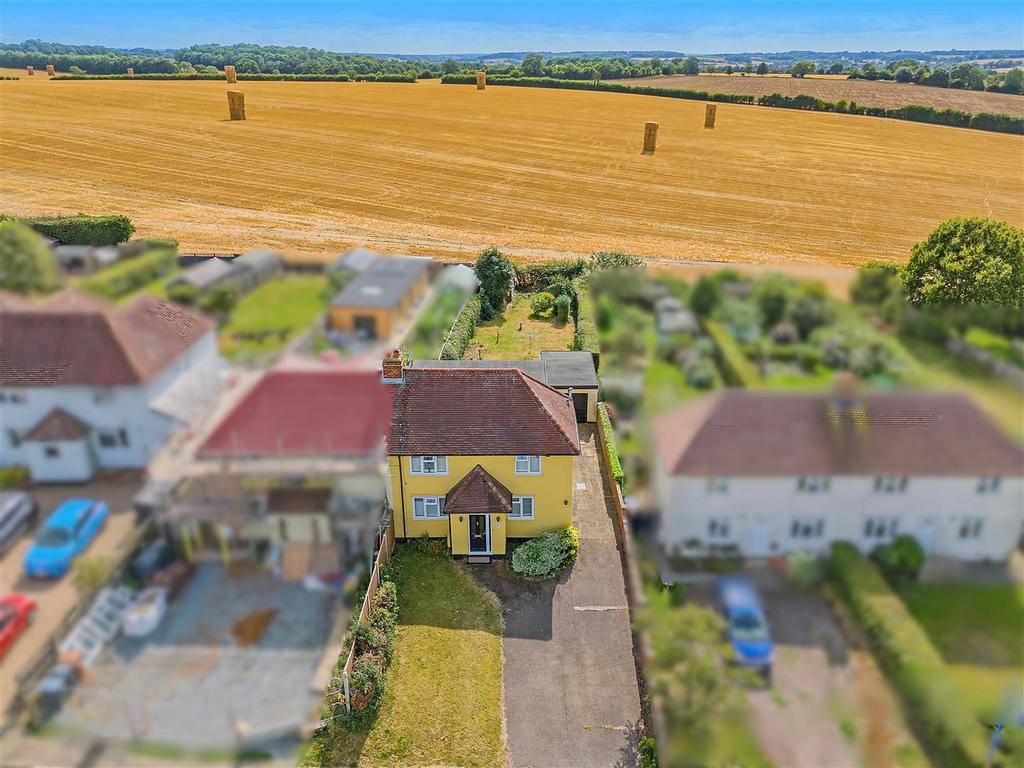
(742, 433)
(58, 424)
(479, 412)
(306, 500)
(76, 339)
(478, 492)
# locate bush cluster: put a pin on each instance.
(586, 337)
(541, 277)
(128, 276)
(736, 368)
(13, 477)
(614, 465)
(984, 121)
(910, 658)
(547, 555)
(465, 326)
(374, 639)
(317, 78)
(84, 230)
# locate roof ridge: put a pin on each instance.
(543, 405)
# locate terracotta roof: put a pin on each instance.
(10, 300)
(58, 424)
(741, 433)
(304, 413)
(478, 492)
(75, 339)
(474, 412)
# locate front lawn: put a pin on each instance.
(267, 318)
(515, 334)
(442, 699)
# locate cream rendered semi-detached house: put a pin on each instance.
(85, 385)
(776, 473)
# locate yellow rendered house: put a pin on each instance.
(478, 456)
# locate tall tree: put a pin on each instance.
(533, 65)
(27, 265)
(495, 273)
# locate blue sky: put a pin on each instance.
(385, 26)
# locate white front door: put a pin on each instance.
(925, 534)
(759, 536)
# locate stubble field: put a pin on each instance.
(446, 170)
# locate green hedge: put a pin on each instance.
(82, 229)
(538, 277)
(465, 326)
(909, 657)
(13, 477)
(737, 370)
(214, 76)
(128, 276)
(984, 121)
(586, 337)
(614, 465)
(547, 555)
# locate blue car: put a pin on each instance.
(64, 536)
(747, 627)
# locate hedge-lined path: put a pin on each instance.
(571, 695)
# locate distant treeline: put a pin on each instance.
(984, 121)
(378, 78)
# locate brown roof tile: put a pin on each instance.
(741, 433)
(58, 424)
(478, 492)
(480, 412)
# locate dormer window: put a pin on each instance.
(429, 465)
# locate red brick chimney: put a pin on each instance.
(393, 368)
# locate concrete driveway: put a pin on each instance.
(56, 597)
(571, 695)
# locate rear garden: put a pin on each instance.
(270, 316)
(518, 332)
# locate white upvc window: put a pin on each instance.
(970, 528)
(988, 484)
(807, 528)
(522, 508)
(891, 484)
(428, 465)
(813, 484)
(527, 465)
(718, 528)
(881, 528)
(427, 507)
(718, 485)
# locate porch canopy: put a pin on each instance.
(478, 493)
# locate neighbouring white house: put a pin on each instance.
(773, 473)
(86, 385)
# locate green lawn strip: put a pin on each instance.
(157, 287)
(424, 340)
(442, 700)
(995, 344)
(501, 338)
(289, 303)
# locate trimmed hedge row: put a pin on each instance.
(537, 277)
(586, 337)
(983, 121)
(910, 658)
(455, 345)
(315, 78)
(127, 276)
(82, 229)
(736, 368)
(614, 465)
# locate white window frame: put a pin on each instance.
(891, 484)
(719, 529)
(436, 502)
(970, 528)
(989, 484)
(814, 484)
(798, 528)
(438, 465)
(529, 465)
(881, 528)
(518, 501)
(717, 484)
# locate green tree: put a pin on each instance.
(705, 295)
(450, 66)
(903, 75)
(496, 274)
(533, 65)
(875, 282)
(762, 68)
(836, 68)
(967, 261)
(1013, 81)
(937, 78)
(542, 303)
(802, 68)
(221, 300)
(970, 77)
(27, 265)
(771, 293)
(691, 66)
(562, 304)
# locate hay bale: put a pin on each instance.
(229, 73)
(650, 137)
(481, 80)
(30, 69)
(50, 70)
(236, 105)
(709, 115)
(131, 72)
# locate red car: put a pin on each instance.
(15, 613)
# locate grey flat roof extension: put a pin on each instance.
(384, 283)
(560, 370)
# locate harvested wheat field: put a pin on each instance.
(444, 169)
(870, 93)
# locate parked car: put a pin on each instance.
(64, 536)
(16, 613)
(18, 513)
(147, 613)
(748, 630)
